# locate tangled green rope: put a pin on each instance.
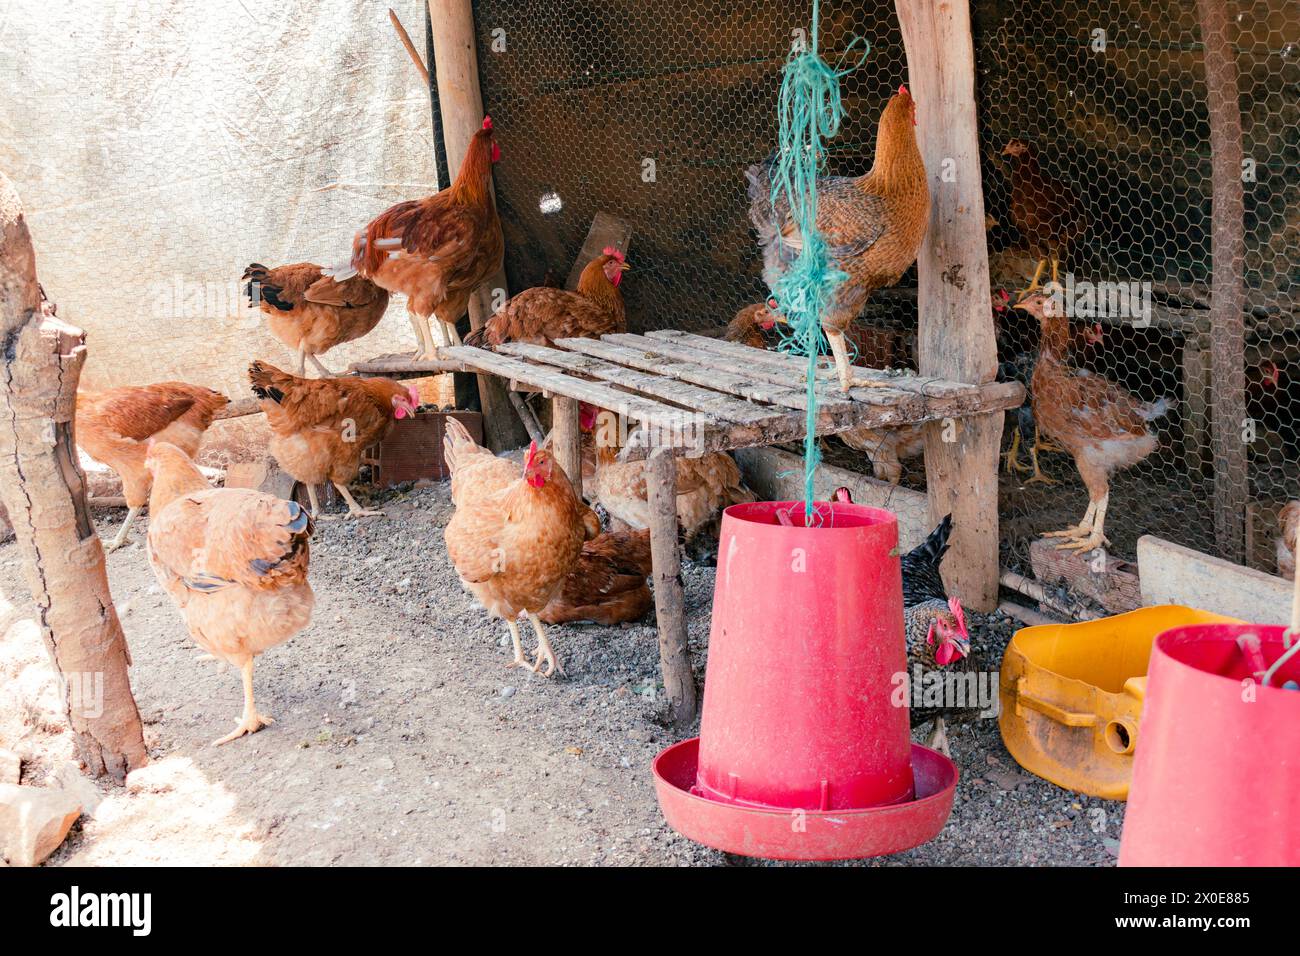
(809, 113)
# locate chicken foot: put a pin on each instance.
(120, 538)
(1094, 536)
(545, 653)
(1088, 533)
(250, 722)
(325, 373)
(1034, 283)
(938, 739)
(355, 510)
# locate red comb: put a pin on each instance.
(902, 88)
(611, 251)
(532, 453)
(487, 122)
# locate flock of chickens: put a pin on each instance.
(521, 539)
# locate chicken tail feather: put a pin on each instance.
(457, 444)
(1157, 409)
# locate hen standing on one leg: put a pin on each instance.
(873, 224)
(513, 538)
(235, 562)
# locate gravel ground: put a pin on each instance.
(400, 737)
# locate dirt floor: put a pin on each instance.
(400, 737)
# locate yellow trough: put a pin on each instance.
(1072, 694)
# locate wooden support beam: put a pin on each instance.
(670, 602)
(955, 339)
(44, 492)
(1227, 293)
(566, 439)
(456, 69)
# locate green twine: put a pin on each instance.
(809, 113)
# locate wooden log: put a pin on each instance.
(955, 338)
(456, 67)
(1227, 295)
(670, 602)
(566, 439)
(410, 47)
(44, 492)
(1110, 582)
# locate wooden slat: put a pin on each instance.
(795, 367)
(705, 400)
(645, 410)
(402, 364)
(828, 395)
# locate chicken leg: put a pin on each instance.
(251, 721)
(519, 659)
(355, 510)
(938, 739)
(325, 373)
(545, 653)
(1092, 529)
(1034, 282)
(120, 538)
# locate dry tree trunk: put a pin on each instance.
(44, 492)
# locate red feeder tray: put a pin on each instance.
(803, 752)
(778, 834)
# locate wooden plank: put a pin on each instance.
(401, 365)
(795, 367)
(683, 370)
(658, 416)
(828, 396)
(955, 337)
(1172, 574)
(719, 404)
(606, 230)
(1196, 392)
(670, 603)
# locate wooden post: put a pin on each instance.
(566, 440)
(456, 69)
(44, 492)
(956, 339)
(1227, 295)
(670, 604)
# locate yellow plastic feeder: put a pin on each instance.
(1071, 696)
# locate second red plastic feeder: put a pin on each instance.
(804, 749)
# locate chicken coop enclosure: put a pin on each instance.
(651, 112)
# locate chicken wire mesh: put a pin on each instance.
(651, 112)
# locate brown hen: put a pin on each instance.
(436, 251)
(1046, 212)
(320, 427)
(310, 312)
(872, 224)
(541, 315)
(514, 536)
(608, 584)
(115, 427)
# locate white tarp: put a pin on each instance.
(161, 146)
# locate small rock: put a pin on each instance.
(507, 692)
(34, 822)
(11, 766)
(67, 776)
(1007, 779)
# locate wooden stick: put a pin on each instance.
(526, 416)
(674, 654)
(410, 47)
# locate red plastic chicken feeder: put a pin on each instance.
(1216, 775)
(802, 754)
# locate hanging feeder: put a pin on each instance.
(803, 753)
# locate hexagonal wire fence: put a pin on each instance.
(651, 112)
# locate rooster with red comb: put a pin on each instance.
(934, 628)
